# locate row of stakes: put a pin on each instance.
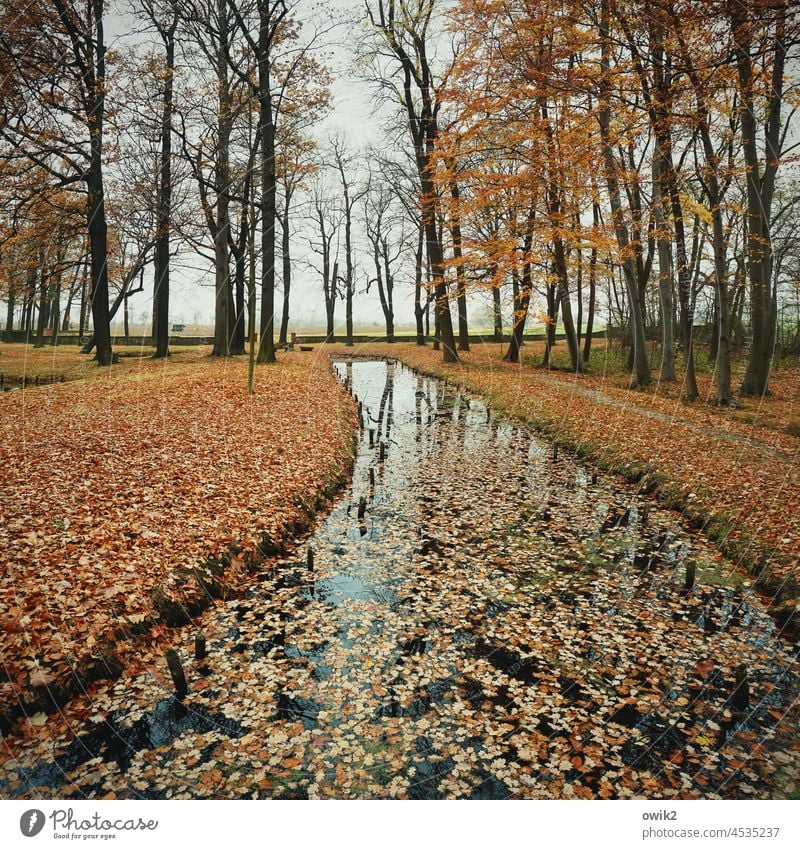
(171, 655)
(200, 649)
(740, 698)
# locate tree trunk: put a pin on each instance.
(521, 303)
(760, 188)
(388, 299)
(444, 321)
(251, 297)
(522, 294)
(161, 279)
(266, 349)
(562, 286)
(665, 283)
(55, 310)
(348, 248)
(497, 313)
(418, 309)
(461, 289)
(82, 313)
(222, 277)
(587, 340)
(42, 319)
(10, 310)
(287, 271)
(98, 246)
(641, 366)
(95, 194)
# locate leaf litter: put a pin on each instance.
(497, 625)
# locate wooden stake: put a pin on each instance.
(555, 453)
(372, 437)
(362, 507)
(381, 452)
(691, 569)
(372, 476)
(741, 695)
(176, 670)
(594, 478)
(199, 647)
(310, 559)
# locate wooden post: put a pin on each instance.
(381, 452)
(372, 477)
(199, 647)
(372, 437)
(176, 670)
(594, 478)
(360, 414)
(310, 559)
(555, 453)
(362, 507)
(741, 695)
(691, 569)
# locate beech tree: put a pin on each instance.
(404, 27)
(55, 117)
(163, 14)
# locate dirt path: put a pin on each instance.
(762, 452)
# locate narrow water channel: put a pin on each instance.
(485, 618)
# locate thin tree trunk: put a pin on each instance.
(10, 310)
(55, 311)
(42, 319)
(418, 309)
(522, 295)
(82, 313)
(665, 282)
(497, 313)
(461, 289)
(287, 270)
(587, 340)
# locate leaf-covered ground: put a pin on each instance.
(502, 622)
(117, 487)
(707, 461)
(67, 361)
